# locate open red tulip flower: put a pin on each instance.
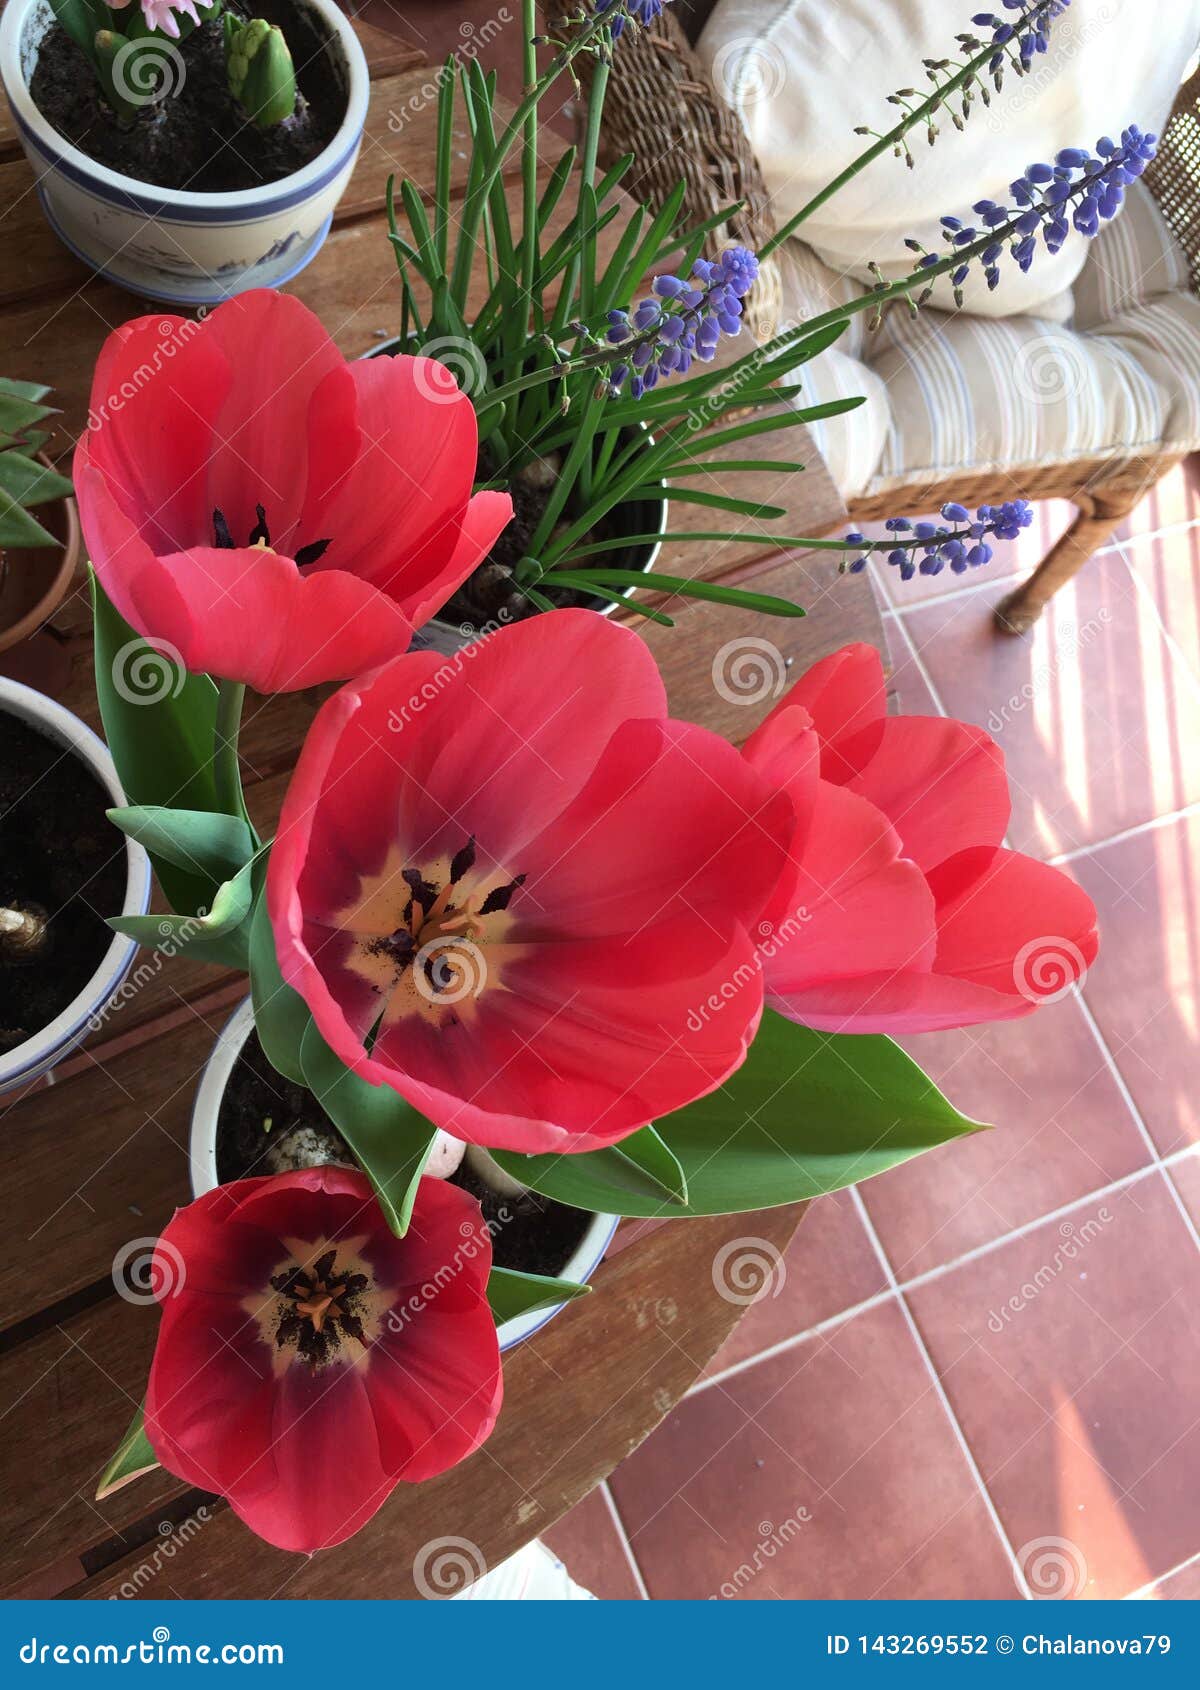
(265, 512)
(308, 1360)
(503, 883)
(900, 911)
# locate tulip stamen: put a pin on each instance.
(318, 1308)
(260, 538)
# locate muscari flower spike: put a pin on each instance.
(1081, 189)
(641, 12)
(960, 542)
(683, 319)
(1027, 34)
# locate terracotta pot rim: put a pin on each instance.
(12, 634)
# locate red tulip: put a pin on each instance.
(308, 1360)
(522, 878)
(901, 911)
(266, 512)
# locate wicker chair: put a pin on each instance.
(664, 91)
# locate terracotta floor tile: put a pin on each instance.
(1096, 715)
(1168, 567)
(587, 1543)
(1173, 500)
(830, 1471)
(1144, 989)
(830, 1266)
(1183, 1586)
(1185, 1177)
(1061, 1129)
(1051, 518)
(1072, 1361)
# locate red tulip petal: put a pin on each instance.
(1012, 924)
(159, 386)
(399, 505)
(593, 1040)
(250, 615)
(278, 353)
(940, 783)
(846, 697)
(906, 1002)
(852, 906)
(486, 517)
(671, 822)
(435, 1392)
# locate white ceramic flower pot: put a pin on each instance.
(182, 248)
(40, 1053)
(202, 1150)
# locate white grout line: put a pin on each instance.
(1173, 645)
(623, 1535)
(1134, 832)
(792, 1343)
(1148, 1590)
(940, 1392)
(919, 1280)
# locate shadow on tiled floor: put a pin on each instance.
(980, 1373)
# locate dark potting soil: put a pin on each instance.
(489, 595)
(59, 854)
(267, 1124)
(196, 137)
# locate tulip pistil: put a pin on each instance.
(435, 917)
(319, 1307)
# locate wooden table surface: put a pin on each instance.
(98, 1158)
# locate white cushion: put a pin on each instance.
(803, 73)
(950, 393)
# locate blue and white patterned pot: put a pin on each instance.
(85, 1012)
(183, 248)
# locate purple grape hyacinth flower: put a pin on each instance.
(684, 318)
(959, 541)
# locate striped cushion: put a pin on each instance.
(950, 392)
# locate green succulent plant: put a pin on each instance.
(23, 480)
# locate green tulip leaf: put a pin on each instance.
(134, 1456)
(159, 722)
(387, 1135)
(511, 1293)
(281, 1016)
(807, 1113)
(203, 842)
